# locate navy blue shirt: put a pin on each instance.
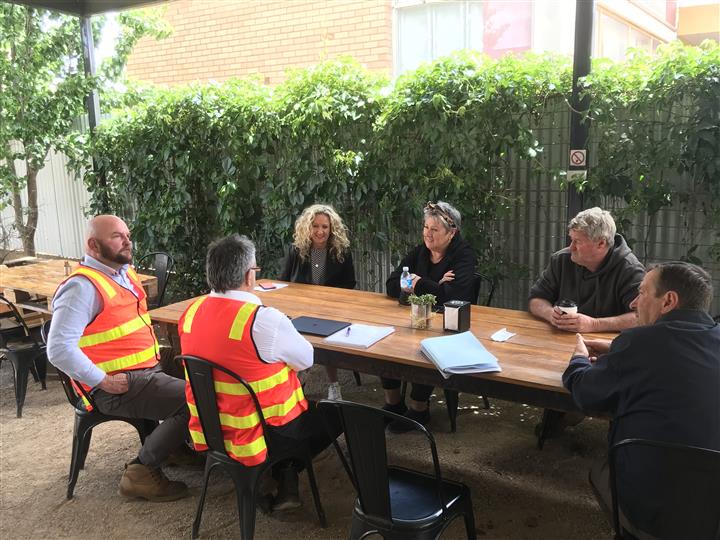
(658, 382)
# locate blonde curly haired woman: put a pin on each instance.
(320, 255)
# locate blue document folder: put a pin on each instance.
(459, 353)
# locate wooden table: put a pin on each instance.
(19, 284)
(532, 361)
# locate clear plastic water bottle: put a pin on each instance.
(405, 283)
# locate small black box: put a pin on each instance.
(456, 316)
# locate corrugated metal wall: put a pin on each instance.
(62, 203)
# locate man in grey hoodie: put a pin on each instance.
(597, 271)
(599, 274)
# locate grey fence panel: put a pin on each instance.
(62, 203)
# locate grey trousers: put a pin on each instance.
(153, 395)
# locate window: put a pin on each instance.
(615, 37)
(426, 31)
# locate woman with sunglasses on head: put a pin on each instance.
(320, 255)
(443, 265)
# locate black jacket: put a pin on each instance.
(337, 274)
(460, 258)
(605, 293)
(659, 382)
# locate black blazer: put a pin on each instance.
(337, 274)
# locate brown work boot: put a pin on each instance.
(147, 483)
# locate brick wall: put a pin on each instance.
(219, 39)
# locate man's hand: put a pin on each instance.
(597, 347)
(580, 348)
(448, 276)
(572, 322)
(114, 384)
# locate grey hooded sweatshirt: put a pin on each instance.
(605, 293)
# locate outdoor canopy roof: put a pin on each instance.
(85, 8)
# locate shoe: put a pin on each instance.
(334, 392)
(398, 426)
(288, 496)
(150, 483)
(398, 408)
(185, 457)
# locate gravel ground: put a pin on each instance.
(518, 491)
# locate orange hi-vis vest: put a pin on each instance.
(220, 330)
(120, 338)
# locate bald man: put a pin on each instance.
(101, 336)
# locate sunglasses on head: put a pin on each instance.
(434, 209)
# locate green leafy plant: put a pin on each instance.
(42, 92)
(423, 299)
(189, 164)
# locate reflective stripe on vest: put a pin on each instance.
(115, 333)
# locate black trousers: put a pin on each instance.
(317, 427)
(419, 392)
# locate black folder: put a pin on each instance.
(318, 327)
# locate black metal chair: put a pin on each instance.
(675, 490)
(395, 502)
(490, 284)
(19, 345)
(245, 478)
(162, 265)
(87, 416)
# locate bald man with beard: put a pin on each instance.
(101, 336)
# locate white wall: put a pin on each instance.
(62, 203)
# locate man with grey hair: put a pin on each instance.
(232, 328)
(598, 272)
(600, 275)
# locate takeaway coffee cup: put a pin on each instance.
(567, 306)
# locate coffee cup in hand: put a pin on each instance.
(567, 306)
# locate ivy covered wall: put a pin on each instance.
(188, 165)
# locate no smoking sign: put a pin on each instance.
(577, 158)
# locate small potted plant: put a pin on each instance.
(421, 310)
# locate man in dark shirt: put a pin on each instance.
(660, 381)
(597, 271)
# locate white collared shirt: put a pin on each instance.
(275, 336)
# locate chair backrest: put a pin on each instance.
(665, 490)
(20, 328)
(200, 374)
(485, 300)
(162, 264)
(364, 428)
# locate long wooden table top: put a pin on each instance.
(536, 357)
(42, 278)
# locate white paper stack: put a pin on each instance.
(459, 353)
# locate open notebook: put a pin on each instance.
(459, 353)
(359, 335)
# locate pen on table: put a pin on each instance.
(347, 332)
